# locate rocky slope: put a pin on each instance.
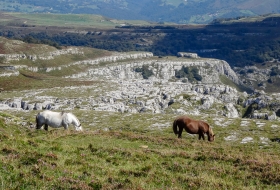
(125, 89)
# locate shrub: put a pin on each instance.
(250, 110)
(188, 72)
(250, 71)
(197, 77)
(242, 72)
(275, 71)
(146, 73)
(278, 113)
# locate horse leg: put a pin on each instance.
(46, 127)
(65, 126)
(180, 132)
(201, 135)
(38, 125)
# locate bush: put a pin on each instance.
(197, 77)
(242, 72)
(250, 71)
(275, 71)
(188, 72)
(146, 73)
(278, 113)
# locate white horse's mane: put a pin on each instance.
(77, 120)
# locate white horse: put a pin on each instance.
(57, 119)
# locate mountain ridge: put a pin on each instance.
(180, 11)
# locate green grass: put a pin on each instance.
(134, 154)
(250, 19)
(230, 83)
(69, 20)
(31, 80)
(125, 151)
(9, 46)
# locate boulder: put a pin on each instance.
(24, 105)
(231, 111)
(38, 106)
(30, 107)
(207, 102)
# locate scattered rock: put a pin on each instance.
(247, 140)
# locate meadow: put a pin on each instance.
(68, 20)
(125, 150)
(136, 151)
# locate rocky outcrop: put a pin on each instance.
(231, 111)
(160, 93)
(113, 58)
(139, 96)
(189, 55)
(209, 69)
(268, 115)
(45, 56)
(258, 77)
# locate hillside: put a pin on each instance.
(248, 44)
(126, 103)
(132, 82)
(179, 11)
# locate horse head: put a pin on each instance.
(79, 128)
(211, 135)
(38, 127)
(75, 122)
(211, 138)
(38, 124)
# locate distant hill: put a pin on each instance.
(178, 11)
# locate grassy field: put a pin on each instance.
(67, 20)
(250, 19)
(32, 80)
(125, 151)
(135, 151)
(228, 82)
(8, 46)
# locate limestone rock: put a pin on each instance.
(231, 111)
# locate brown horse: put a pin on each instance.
(193, 127)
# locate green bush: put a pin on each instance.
(274, 71)
(144, 70)
(250, 71)
(188, 72)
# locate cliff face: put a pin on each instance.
(164, 69)
(44, 56)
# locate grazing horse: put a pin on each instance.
(57, 119)
(193, 127)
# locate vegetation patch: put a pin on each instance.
(31, 80)
(191, 73)
(131, 155)
(229, 82)
(145, 71)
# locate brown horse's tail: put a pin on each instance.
(175, 129)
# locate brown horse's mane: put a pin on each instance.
(210, 131)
